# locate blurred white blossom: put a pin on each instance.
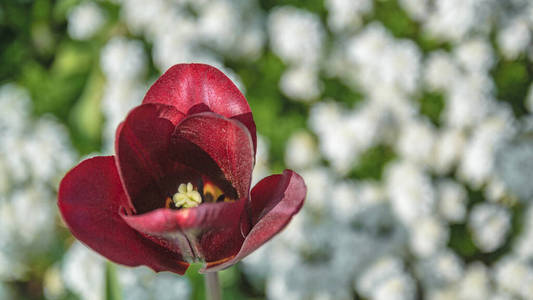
(416, 141)
(490, 224)
(475, 285)
(441, 71)
(15, 103)
(454, 19)
(123, 59)
(514, 38)
(343, 135)
(514, 276)
(379, 59)
(441, 269)
(34, 154)
(386, 279)
(417, 9)
(477, 163)
(428, 236)
(83, 272)
(85, 20)
(346, 14)
(448, 147)
(301, 83)
(410, 191)
(475, 55)
(142, 283)
(514, 164)
(452, 200)
(301, 151)
(295, 35)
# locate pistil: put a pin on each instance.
(187, 196)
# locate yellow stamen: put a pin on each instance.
(211, 192)
(168, 202)
(187, 196)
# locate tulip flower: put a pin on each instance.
(177, 189)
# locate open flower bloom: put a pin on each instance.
(178, 188)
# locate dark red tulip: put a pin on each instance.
(178, 188)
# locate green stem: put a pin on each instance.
(212, 286)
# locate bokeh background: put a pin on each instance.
(410, 120)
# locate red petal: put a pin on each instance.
(220, 149)
(186, 85)
(148, 172)
(90, 197)
(210, 231)
(210, 144)
(275, 199)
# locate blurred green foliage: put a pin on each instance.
(395, 19)
(315, 6)
(372, 162)
(512, 79)
(431, 105)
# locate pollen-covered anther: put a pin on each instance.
(212, 193)
(187, 196)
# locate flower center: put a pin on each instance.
(188, 195)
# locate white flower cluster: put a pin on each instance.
(83, 273)
(390, 236)
(346, 14)
(180, 32)
(374, 57)
(297, 37)
(386, 279)
(393, 237)
(514, 162)
(123, 62)
(34, 154)
(85, 20)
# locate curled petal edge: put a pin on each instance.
(277, 199)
